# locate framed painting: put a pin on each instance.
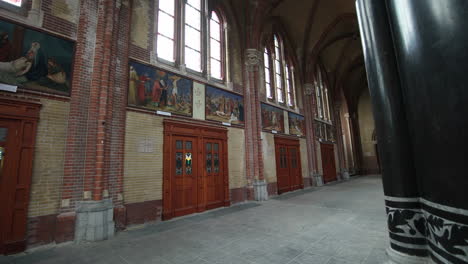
(35, 60)
(155, 89)
(296, 124)
(272, 118)
(224, 106)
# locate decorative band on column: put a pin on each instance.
(419, 227)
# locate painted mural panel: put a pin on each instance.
(296, 124)
(35, 60)
(224, 106)
(272, 118)
(156, 89)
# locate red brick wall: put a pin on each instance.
(57, 24)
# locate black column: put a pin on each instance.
(416, 54)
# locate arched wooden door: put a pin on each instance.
(18, 121)
(328, 162)
(288, 165)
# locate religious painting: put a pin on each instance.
(272, 118)
(34, 60)
(159, 90)
(296, 124)
(224, 106)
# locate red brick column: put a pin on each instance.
(94, 151)
(253, 143)
(309, 113)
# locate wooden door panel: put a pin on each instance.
(185, 185)
(328, 162)
(288, 167)
(214, 173)
(15, 181)
(194, 191)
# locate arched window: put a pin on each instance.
(266, 63)
(279, 75)
(216, 47)
(182, 29)
(322, 97)
(166, 30)
(193, 35)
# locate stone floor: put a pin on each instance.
(338, 223)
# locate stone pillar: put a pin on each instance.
(417, 79)
(253, 128)
(349, 142)
(35, 14)
(309, 109)
(339, 138)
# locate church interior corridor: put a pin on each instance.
(342, 223)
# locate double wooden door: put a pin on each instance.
(195, 169)
(16, 153)
(288, 165)
(328, 162)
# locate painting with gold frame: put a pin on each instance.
(155, 89)
(272, 118)
(296, 124)
(35, 60)
(224, 106)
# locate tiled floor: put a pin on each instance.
(339, 223)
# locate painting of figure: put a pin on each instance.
(155, 89)
(272, 118)
(296, 124)
(224, 106)
(34, 60)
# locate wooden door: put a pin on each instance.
(282, 168)
(184, 169)
(295, 168)
(195, 168)
(16, 152)
(214, 173)
(328, 162)
(288, 165)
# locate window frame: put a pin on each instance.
(287, 76)
(203, 33)
(179, 62)
(18, 10)
(222, 42)
(322, 96)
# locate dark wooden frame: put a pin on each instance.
(201, 132)
(41, 30)
(26, 113)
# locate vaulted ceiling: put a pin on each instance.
(324, 32)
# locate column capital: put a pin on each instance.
(253, 58)
(309, 89)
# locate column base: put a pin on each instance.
(400, 258)
(94, 221)
(260, 190)
(345, 175)
(318, 179)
